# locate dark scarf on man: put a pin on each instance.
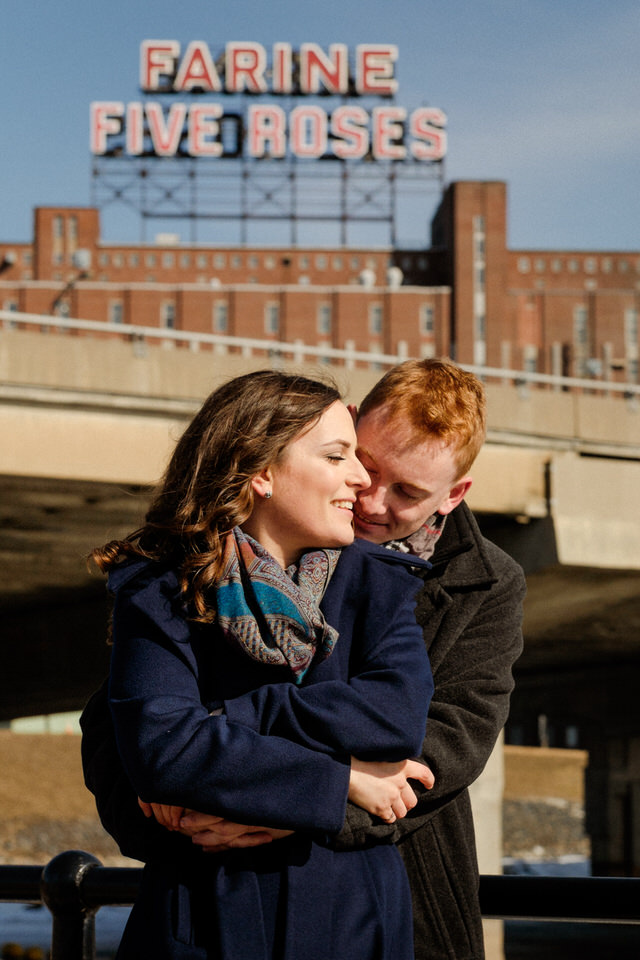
(422, 543)
(274, 614)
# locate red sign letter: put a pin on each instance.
(316, 68)
(349, 126)
(245, 67)
(104, 121)
(374, 69)
(387, 127)
(197, 69)
(157, 58)
(427, 125)
(267, 127)
(203, 126)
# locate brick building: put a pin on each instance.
(467, 296)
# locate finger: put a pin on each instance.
(399, 808)
(145, 807)
(421, 772)
(159, 814)
(192, 820)
(250, 840)
(409, 797)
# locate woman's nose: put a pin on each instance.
(359, 477)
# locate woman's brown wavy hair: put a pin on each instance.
(242, 427)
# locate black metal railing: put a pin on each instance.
(74, 885)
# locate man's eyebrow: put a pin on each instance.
(367, 453)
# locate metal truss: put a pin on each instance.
(245, 190)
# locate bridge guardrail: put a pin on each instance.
(299, 351)
(74, 885)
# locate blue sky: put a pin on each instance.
(544, 94)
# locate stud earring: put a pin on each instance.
(268, 495)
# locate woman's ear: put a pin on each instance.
(262, 483)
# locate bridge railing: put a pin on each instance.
(74, 885)
(298, 352)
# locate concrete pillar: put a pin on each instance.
(486, 802)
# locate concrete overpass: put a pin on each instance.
(89, 415)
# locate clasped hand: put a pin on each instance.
(378, 787)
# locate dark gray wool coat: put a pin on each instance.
(470, 610)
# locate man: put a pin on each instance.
(419, 431)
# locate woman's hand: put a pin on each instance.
(167, 816)
(383, 789)
(215, 834)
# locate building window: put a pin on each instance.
(151, 260)
(168, 260)
(116, 313)
(168, 315)
(590, 265)
(220, 316)
(540, 265)
(606, 265)
(303, 262)
(253, 263)
(426, 320)
(631, 328)
(117, 260)
(530, 358)
(323, 318)
(236, 261)
(375, 319)
(201, 261)
(580, 339)
(623, 266)
(321, 262)
(523, 265)
(337, 263)
(355, 263)
(219, 261)
(12, 307)
(271, 317)
(72, 233)
(556, 265)
(270, 262)
(185, 260)
(573, 265)
(58, 228)
(134, 260)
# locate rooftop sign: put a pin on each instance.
(202, 127)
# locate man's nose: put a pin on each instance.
(373, 500)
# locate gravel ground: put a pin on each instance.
(45, 807)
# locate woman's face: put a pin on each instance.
(313, 490)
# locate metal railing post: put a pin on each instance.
(73, 928)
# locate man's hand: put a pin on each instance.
(215, 834)
(383, 788)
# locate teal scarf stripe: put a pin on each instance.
(275, 620)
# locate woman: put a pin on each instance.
(224, 593)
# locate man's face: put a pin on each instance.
(410, 481)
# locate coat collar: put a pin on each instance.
(462, 541)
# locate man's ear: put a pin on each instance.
(262, 482)
(353, 410)
(456, 495)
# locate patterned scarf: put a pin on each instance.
(274, 614)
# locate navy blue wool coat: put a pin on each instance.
(278, 756)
